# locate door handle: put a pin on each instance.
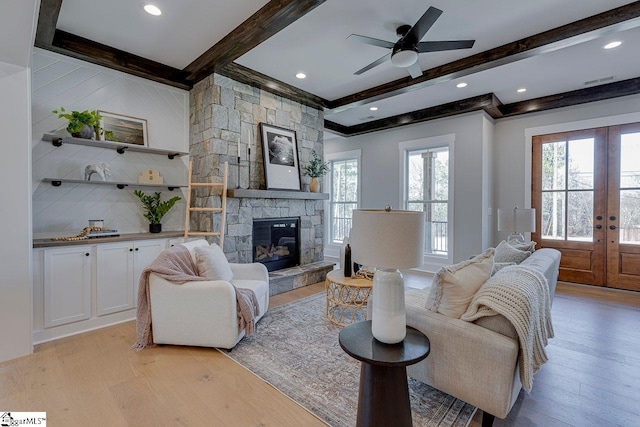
(599, 226)
(612, 227)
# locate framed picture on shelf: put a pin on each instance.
(280, 155)
(121, 128)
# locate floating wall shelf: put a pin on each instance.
(57, 182)
(275, 194)
(120, 147)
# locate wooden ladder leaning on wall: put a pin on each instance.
(222, 210)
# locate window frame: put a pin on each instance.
(432, 262)
(333, 249)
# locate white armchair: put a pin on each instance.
(204, 313)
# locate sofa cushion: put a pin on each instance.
(507, 253)
(525, 246)
(212, 263)
(454, 286)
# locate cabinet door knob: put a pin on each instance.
(599, 217)
(137, 249)
(612, 218)
(86, 254)
(612, 227)
(130, 249)
(599, 226)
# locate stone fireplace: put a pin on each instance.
(276, 242)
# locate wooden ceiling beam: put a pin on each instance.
(269, 20)
(488, 102)
(612, 21)
(47, 20)
(246, 75)
(575, 97)
(97, 53)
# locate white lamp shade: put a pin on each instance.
(517, 220)
(388, 239)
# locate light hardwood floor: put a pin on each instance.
(95, 379)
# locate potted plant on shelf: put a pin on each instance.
(316, 168)
(155, 209)
(82, 124)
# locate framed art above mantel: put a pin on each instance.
(280, 155)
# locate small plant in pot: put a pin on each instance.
(155, 209)
(82, 124)
(315, 169)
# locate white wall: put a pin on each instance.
(512, 150)
(17, 31)
(381, 172)
(77, 85)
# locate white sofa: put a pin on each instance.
(204, 313)
(475, 362)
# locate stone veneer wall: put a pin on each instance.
(224, 118)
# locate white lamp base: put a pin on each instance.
(388, 316)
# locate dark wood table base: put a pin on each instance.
(383, 399)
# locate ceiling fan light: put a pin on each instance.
(404, 58)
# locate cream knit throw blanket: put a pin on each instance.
(520, 294)
(177, 266)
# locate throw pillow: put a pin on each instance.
(507, 253)
(531, 246)
(454, 286)
(212, 263)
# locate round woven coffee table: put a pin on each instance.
(346, 298)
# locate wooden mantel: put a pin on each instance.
(275, 194)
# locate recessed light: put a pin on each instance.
(461, 85)
(151, 9)
(612, 45)
(373, 108)
(522, 89)
(301, 75)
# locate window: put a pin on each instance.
(426, 189)
(344, 182)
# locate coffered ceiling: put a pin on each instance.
(553, 49)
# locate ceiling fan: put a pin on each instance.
(405, 51)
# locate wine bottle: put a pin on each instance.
(347, 261)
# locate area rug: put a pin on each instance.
(296, 350)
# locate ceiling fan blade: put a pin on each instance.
(371, 41)
(374, 64)
(444, 45)
(415, 70)
(425, 22)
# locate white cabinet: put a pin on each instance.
(118, 269)
(67, 285)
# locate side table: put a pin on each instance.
(383, 398)
(346, 297)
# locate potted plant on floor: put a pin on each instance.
(155, 209)
(316, 168)
(82, 124)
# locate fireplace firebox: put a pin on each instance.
(276, 242)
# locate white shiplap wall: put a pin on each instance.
(58, 81)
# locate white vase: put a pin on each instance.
(388, 316)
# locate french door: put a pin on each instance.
(586, 192)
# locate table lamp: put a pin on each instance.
(517, 221)
(388, 240)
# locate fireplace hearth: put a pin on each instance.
(276, 242)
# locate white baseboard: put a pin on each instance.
(57, 332)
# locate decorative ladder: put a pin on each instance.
(222, 210)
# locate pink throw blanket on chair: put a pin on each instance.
(176, 265)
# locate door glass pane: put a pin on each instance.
(630, 160)
(553, 214)
(581, 164)
(553, 165)
(630, 216)
(580, 216)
